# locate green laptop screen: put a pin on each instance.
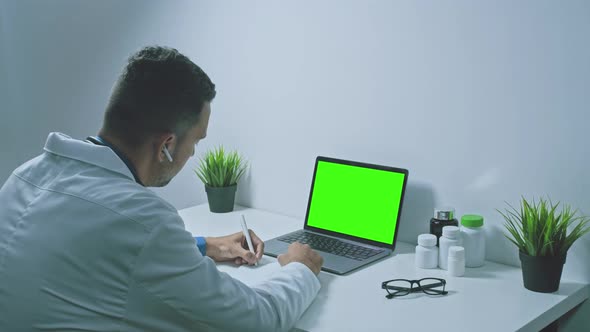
(357, 201)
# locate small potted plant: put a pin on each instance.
(541, 234)
(220, 171)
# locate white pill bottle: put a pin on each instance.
(474, 240)
(451, 236)
(427, 252)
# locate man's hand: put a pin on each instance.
(302, 253)
(234, 247)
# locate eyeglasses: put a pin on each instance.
(401, 287)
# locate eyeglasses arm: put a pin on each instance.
(438, 284)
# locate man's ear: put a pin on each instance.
(166, 145)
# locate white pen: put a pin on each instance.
(248, 238)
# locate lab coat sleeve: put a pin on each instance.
(171, 269)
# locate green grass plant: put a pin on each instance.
(219, 168)
(539, 229)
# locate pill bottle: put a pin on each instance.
(444, 216)
(426, 252)
(451, 236)
(474, 240)
(456, 261)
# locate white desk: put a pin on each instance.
(490, 298)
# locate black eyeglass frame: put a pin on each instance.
(402, 291)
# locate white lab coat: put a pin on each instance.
(84, 247)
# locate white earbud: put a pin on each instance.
(167, 153)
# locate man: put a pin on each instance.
(85, 246)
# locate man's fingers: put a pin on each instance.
(259, 250)
(254, 237)
(258, 244)
(248, 256)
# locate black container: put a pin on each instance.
(221, 199)
(442, 217)
(541, 273)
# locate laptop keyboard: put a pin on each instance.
(330, 245)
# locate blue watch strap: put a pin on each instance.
(201, 244)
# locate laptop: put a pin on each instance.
(352, 215)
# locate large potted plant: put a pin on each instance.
(543, 236)
(220, 171)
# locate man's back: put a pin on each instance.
(84, 247)
(65, 247)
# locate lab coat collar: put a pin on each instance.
(101, 141)
(101, 156)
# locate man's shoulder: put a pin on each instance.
(97, 186)
(131, 200)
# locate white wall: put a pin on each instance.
(3, 73)
(482, 101)
(58, 62)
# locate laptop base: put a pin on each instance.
(332, 263)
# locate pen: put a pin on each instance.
(248, 238)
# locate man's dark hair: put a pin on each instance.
(160, 90)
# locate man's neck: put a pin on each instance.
(137, 157)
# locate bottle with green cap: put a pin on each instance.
(474, 240)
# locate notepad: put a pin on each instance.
(252, 275)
